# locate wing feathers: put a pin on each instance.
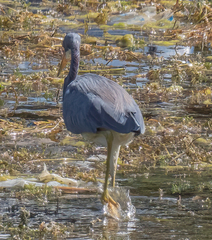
(93, 102)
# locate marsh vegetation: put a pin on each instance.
(159, 51)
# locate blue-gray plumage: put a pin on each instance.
(92, 102)
(98, 108)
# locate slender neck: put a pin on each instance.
(75, 59)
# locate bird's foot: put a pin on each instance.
(106, 198)
(113, 207)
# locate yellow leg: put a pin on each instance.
(114, 177)
(106, 198)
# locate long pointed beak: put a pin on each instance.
(62, 64)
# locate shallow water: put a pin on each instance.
(156, 217)
(167, 171)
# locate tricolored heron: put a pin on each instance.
(99, 109)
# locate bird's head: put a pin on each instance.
(71, 43)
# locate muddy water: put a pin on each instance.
(167, 171)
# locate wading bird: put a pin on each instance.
(99, 109)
